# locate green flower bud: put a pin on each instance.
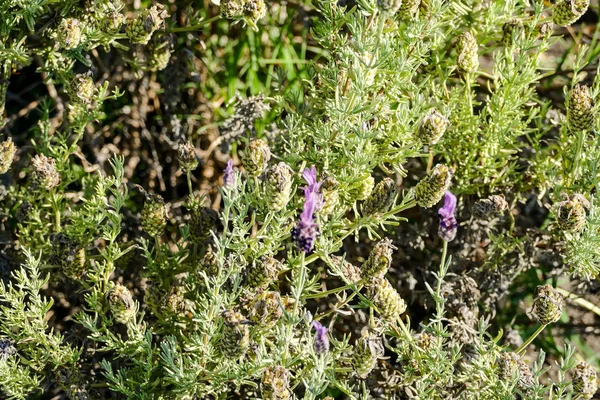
(232, 9)
(82, 89)
(235, 338)
(466, 48)
(45, 174)
(121, 303)
(585, 383)
(379, 261)
(263, 272)
(364, 188)
(511, 367)
(257, 157)
(409, 9)
(7, 153)
(254, 10)
(69, 34)
(278, 186)
(566, 12)
(331, 196)
(389, 6)
(160, 53)
(203, 221)
(580, 111)
(186, 155)
(276, 383)
(492, 205)
(547, 304)
(140, 29)
(512, 31)
(367, 349)
(430, 190)
(154, 215)
(571, 213)
(381, 199)
(386, 300)
(433, 127)
(68, 255)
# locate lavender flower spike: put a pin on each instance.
(448, 224)
(306, 230)
(321, 344)
(229, 176)
(310, 176)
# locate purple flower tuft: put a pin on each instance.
(448, 224)
(321, 344)
(229, 175)
(310, 176)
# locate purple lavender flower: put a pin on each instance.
(229, 176)
(448, 224)
(321, 344)
(306, 230)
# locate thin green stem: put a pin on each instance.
(196, 27)
(531, 338)
(328, 292)
(189, 183)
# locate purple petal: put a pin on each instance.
(321, 330)
(447, 211)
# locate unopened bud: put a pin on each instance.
(235, 338)
(154, 215)
(580, 112)
(382, 198)
(121, 303)
(430, 190)
(585, 383)
(487, 207)
(45, 174)
(203, 221)
(571, 213)
(186, 155)
(379, 261)
(566, 12)
(433, 127)
(69, 33)
(386, 300)
(468, 58)
(7, 153)
(547, 304)
(367, 349)
(140, 29)
(257, 157)
(278, 186)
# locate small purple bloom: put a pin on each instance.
(448, 224)
(229, 175)
(321, 344)
(310, 176)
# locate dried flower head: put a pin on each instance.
(203, 222)
(276, 383)
(386, 300)
(430, 190)
(82, 89)
(232, 9)
(69, 34)
(7, 153)
(448, 225)
(112, 22)
(547, 304)
(278, 186)
(585, 381)
(466, 48)
(580, 111)
(139, 30)
(154, 214)
(235, 339)
(382, 198)
(265, 309)
(186, 155)
(257, 157)
(68, 255)
(485, 208)
(121, 303)
(263, 272)
(566, 12)
(254, 10)
(433, 127)
(367, 349)
(178, 304)
(351, 273)
(246, 112)
(379, 261)
(511, 366)
(321, 343)
(210, 262)
(45, 174)
(571, 213)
